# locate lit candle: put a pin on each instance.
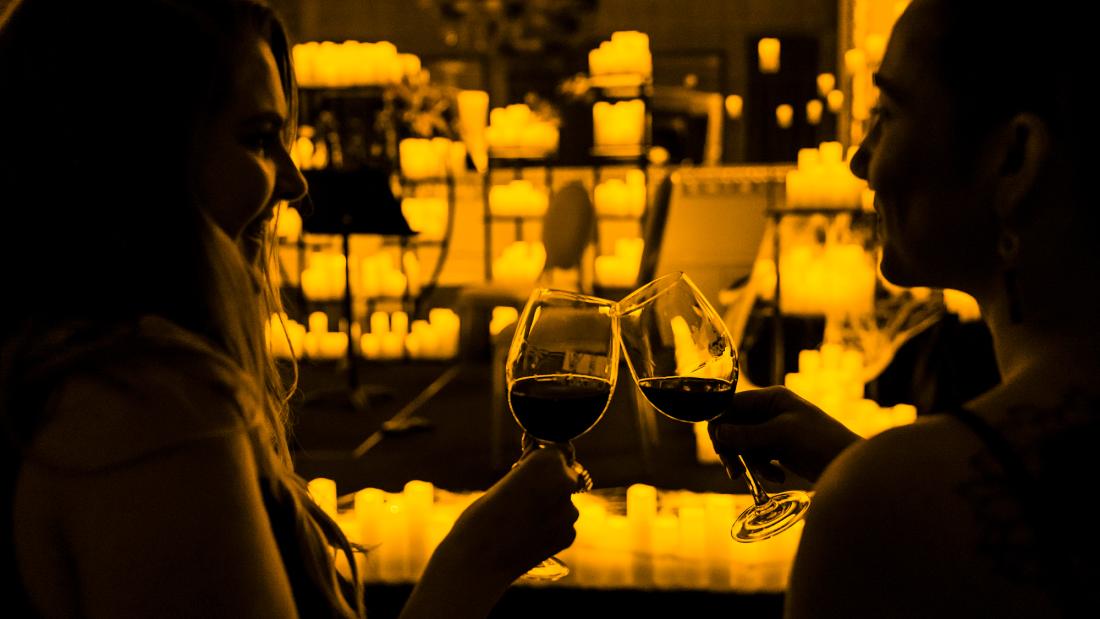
(835, 101)
(370, 505)
(666, 541)
(814, 109)
(768, 50)
(825, 84)
(393, 552)
(735, 105)
(784, 116)
(418, 496)
(855, 61)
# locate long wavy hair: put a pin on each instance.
(102, 103)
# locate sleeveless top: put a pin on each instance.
(153, 358)
(1040, 463)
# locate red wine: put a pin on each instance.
(688, 398)
(558, 408)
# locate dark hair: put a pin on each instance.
(997, 58)
(104, 104)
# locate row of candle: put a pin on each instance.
(620, 269)
(517, 128)
(834, 279)
(823, 179)
(427, 216)
(377, 276)
(621, 123)
(435, 158)
(832, 378)
(670, 540)
(392, 336)
(626, 53)
(518, 198)
(288, 338)
(617, 197)
(352, 63)
(521, 262)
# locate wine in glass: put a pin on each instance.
(560, 372)
(681, 355)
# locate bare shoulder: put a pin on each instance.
(895, 530)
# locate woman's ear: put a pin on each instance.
(1024, 147)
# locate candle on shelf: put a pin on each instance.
(768, 51)
(735, 105)
(318, 322)
(379, 323)
(393, 345)
(814, 110)
(784, 116)
(835, 101)
(855, 61)
(370, 345)
(825, 84)
(399, 322)
(333, 345)
(875, 47)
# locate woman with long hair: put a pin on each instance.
(147, 467)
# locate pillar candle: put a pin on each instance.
(768, 50)
(323, 492)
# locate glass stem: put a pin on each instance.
(759, 497)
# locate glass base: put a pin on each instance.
(781, 512)
(548, 570)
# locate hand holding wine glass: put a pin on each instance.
(682, 357)
(561, 372)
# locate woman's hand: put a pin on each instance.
(524, 518)
(774, 424)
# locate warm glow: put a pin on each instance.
(768, 51)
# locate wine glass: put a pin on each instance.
(681, 355)
(561, 371)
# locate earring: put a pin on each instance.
(1008, 247)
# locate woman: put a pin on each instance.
(979, 154)
(145, 149)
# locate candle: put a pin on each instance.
(393, 345)
(784, 116)
(370, 505)
(418, 497)
(399, 322)
(370, 344)
(855, 61)
(825, 84)
(380, 323)
(393, 552)
(814, 109)
(874, 46)
(318, 322)
(768, 50)
(693, 542)
(718, 514)
(666, 541)
(835, 101)
(735, 105)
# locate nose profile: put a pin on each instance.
(860, 162)
(290, 185)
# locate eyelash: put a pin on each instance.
(263, 143)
